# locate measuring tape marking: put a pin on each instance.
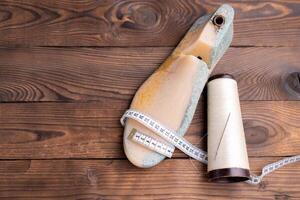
(189, 149)
(166, 133)
(151, 143)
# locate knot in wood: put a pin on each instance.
(256, 134)
(292, 84)
(138, 15)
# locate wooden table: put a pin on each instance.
(69, 69)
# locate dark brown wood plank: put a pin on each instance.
(84, 74)
(92, 130)
(114, 179)
(140, 23)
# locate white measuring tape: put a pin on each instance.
(151, 143)
(182, 144)
(166, 133)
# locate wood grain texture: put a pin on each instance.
(118, 179)
(92, 130)
(85, 74)
(61, 99)
(140, 23)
